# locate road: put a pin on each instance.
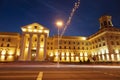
(83, 72)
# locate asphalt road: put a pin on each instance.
(58, 73)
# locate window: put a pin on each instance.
(2, 45)
(82, 48)
(9, 39)
(96, 46)
(64, 42)
(95, 41)
(99, 45)
(35, 27)
(60, 47)
(105, 23)
(51, 43)
(64, 47)
(82, 43)
(35, 39)
(8, 45)
(117, 43)
(69, 42)
(73, 42)
(51, 48)
(109, 22)
(74, 47)
(98, 40)
(3, 39)
(86, 44)
(42, 39)
(104, 44)
(69, 47)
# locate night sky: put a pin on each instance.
(17, 13)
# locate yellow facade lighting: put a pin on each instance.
(77, 58)
(116, 51)
(40, 31)
(35, 30)
(72, 54)
(3, 52)
(51, 54)
(67, 54)
(103, 51)
(67, 59)
(112, 56)
(41, 49)
(46, 31)
(2, 57)
(29, 30)
(72, 59)
(107, 56)
(118, 57)
(41, 28)
(11, 52)
(63, 58)
(29, 27)
(81, 54)
(84, 38)
(24, 30)
(85, 54)
(63, 54)
(86, 58)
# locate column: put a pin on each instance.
(30, 46)
(22, 48)
(38, 48)
(45, 54)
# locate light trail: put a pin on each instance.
(61, 66)
(76, 6)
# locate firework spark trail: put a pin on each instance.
(70, 17)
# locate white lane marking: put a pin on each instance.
(40, 75)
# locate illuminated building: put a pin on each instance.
(9, 46)
(34, 44)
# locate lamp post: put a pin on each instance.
(59, 24)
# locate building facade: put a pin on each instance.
(34, 44)
(9, 46)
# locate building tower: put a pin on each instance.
(105, 21)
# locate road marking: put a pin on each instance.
(40, 75)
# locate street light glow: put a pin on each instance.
(59, 23)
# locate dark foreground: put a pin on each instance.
(62, 72)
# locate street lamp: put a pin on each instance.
(59, 24)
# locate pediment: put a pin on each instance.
(34, 27)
